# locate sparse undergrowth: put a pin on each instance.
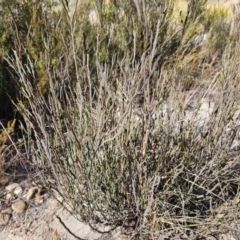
(107, 121)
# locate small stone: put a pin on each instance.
(18, 190)
(11, 187)
(32, 193)
(19, 206)
(8, 196)
(4, 218)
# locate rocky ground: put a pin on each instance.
(28, 212)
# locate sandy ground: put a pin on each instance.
(42, 223)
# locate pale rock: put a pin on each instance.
(8, 196)
(11, 187)
(19, 206)
(18, 190)
(4, 218)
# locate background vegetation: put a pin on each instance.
(104, 91)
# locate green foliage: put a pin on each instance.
(16, 18)
(214, 14)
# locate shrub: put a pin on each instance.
(113, 135)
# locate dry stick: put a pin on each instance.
(155, 183)
(64, 225)
(95, 229)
